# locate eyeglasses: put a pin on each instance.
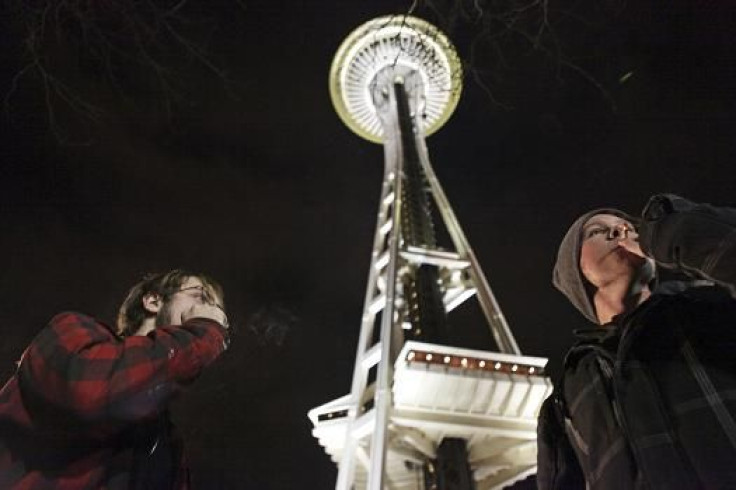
(203, 293)
(206, 296)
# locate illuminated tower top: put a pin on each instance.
(375, 54)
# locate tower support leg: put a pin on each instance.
(451, 469)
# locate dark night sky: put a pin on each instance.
(270, 193)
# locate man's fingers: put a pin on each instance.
(631, 244)
(212, 312)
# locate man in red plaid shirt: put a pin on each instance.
(87, 406)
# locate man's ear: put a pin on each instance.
(152, 302)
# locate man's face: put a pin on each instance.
(191, 292)
(606, 256)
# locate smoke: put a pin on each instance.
(271, 325)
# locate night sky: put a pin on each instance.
(250, 176)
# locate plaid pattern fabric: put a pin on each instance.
(676, 385)
(83, 408)
(656, 411)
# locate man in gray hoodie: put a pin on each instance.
(646, 399)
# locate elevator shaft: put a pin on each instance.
(425, 308)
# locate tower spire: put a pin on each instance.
(419, 409)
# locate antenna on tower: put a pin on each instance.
(421, 414)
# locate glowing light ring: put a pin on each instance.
(406, 43)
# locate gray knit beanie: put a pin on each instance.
(567, 276)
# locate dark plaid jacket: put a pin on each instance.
(650, 400)
(87, 409)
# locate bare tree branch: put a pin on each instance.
(500, 30)
(123, 48)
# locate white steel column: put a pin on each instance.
(492, 311)
(380, 299)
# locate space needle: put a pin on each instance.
(421, 413)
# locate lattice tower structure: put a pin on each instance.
(421, 414)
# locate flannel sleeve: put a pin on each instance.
(78, 366)
(699, 239)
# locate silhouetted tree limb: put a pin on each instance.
(81, 52)
(494, 34)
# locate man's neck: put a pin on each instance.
(148, 325)
(619, 297)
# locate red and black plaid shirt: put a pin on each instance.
(87, 409)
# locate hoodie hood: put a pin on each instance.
(567, 276)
